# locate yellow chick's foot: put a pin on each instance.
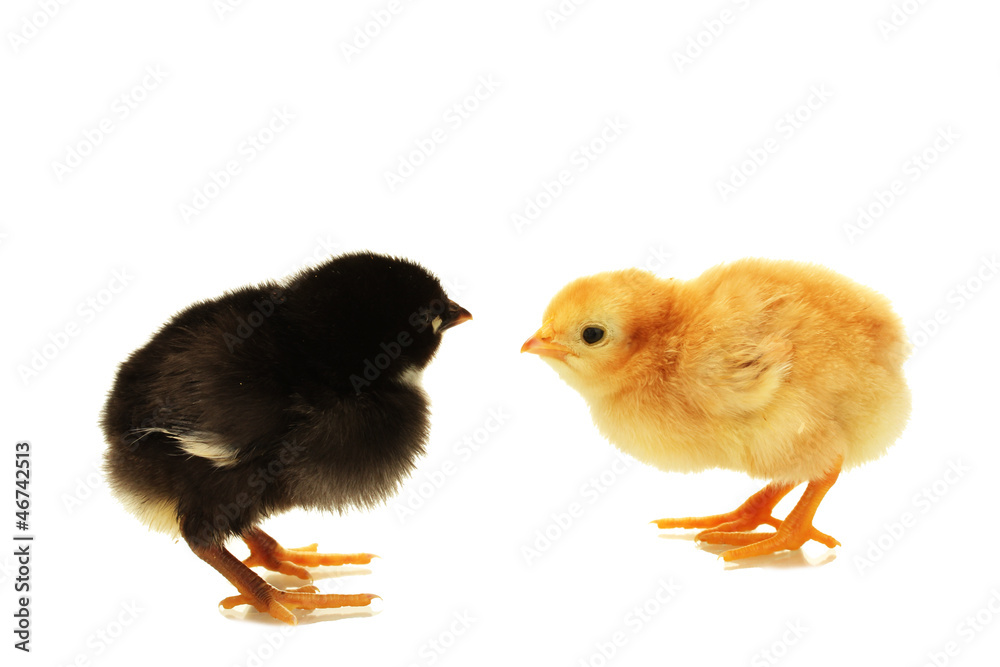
(754, 512)
(793, 532)
(732, 527)
(266, 552)
(740, 538)
(278, 603)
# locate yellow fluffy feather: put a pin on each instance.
(783, 370)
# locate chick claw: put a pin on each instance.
(278, 603)
(266, 552)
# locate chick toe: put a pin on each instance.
(271, 607)
(754, 512)
(741, 538)
(266, 552)
(278, 603)
(308, 597)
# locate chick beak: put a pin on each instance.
(543, 345)
(454, 316)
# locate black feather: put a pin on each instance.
(298, 388)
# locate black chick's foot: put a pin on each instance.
(278, 603)
(266, 552)
(264, 597)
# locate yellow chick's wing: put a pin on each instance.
(744, 378)
(737, 350)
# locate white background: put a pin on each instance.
(105, 591)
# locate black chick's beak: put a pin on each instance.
(453, 316)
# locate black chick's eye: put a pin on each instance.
(592, 334)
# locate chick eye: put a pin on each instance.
(592, 334)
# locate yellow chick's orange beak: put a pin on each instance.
(543, 345)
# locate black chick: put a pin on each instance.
(301, 393)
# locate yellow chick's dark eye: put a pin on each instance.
(592, 334)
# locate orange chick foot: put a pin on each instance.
(278, 603)
(266, 552)
(754, 512)
(742, 538)
(792, 533)
(762, 544)
(262, 596)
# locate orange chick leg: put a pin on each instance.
(264, 597)
(265, 551)
(793, 532)
(729, 528)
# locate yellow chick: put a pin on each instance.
(786, 371)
